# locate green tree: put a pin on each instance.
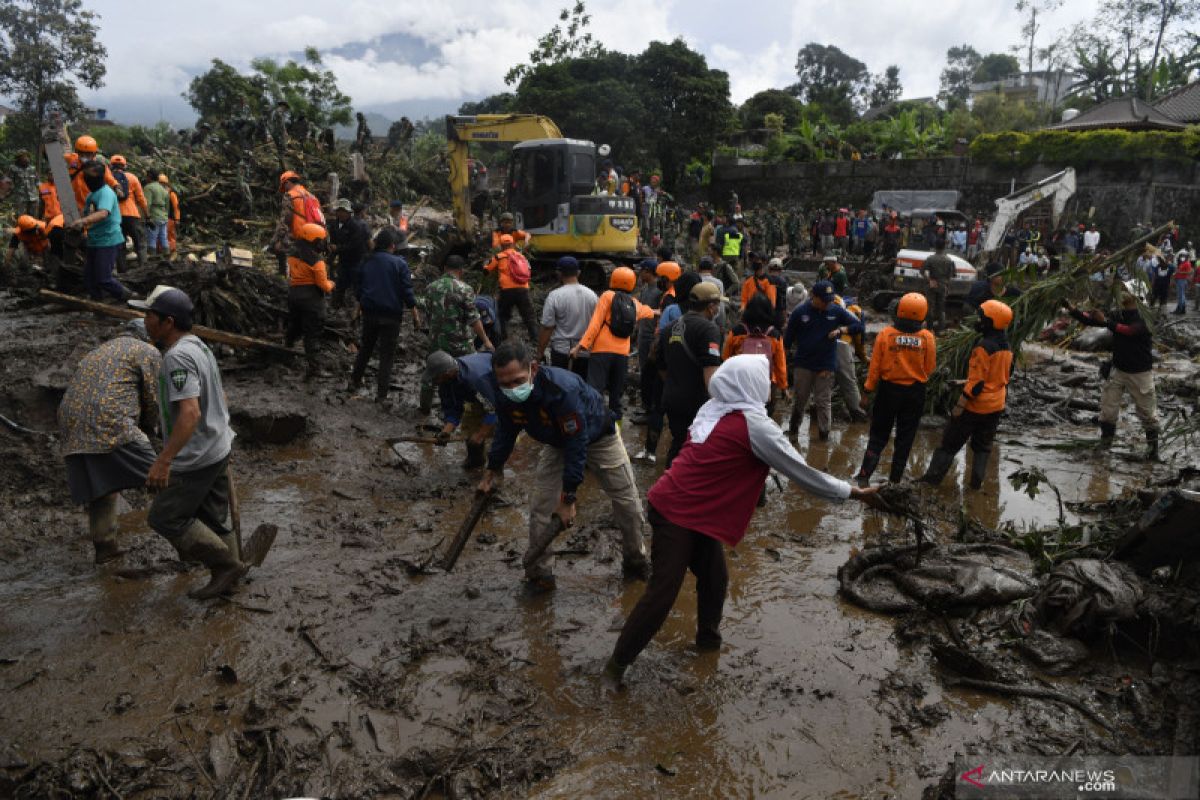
(688, 104)
(831, 79)
(308, 88)
(770, 101)
(997, 67)
(47, 49)
(217, 94)
(502, 103)
(560, 43)
(1165, 14)
(886, 88)
(962, 62)
(1031, 10)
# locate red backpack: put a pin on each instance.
(312, 209)
(758, 343)
(518, 267)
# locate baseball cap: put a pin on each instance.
(705, 291)
(648, 265)
(568, 265)
(167, 301)
(775, 263)
(438, 364)
(823, 290)
(343, 205)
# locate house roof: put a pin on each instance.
(1128, 113)
(1183, 104)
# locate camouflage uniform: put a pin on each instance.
(450, 309)
(25, 189)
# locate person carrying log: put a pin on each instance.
(105, 419)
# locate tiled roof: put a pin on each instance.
(1123, 112)
(1183, 104)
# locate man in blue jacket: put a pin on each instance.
(557, 408)
(468, 398)
(384, 290)
(811, 339)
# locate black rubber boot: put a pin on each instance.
(793, 425)
(1107, 431)
(979, 464)
(939, 465)
(476, 455)
(869, 463)
(1152, 444)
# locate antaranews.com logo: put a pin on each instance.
(1033, 777)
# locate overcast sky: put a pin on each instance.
(423, 57)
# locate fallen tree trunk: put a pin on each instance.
(1069, 402)
(208, 334)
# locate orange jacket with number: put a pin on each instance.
(599, 338)
(902, 358)
(987, 377)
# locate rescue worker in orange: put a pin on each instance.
(904, 357)
(508, 226)
(173, 219)
(86, 151)
(608, 336)
(514, 292)
(759, 282)
(48, 199)
(308, 283)
(977, 413)
(299, 208)
(756, 334)
(38, 237)
(134, 211)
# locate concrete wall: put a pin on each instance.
(1121, 193)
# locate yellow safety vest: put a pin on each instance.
(732, 245)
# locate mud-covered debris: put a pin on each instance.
(1054, 655)
(268, 424)
(1086, 596)
(1166, 534)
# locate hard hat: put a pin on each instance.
(311, 232)
(86, 144)
(506, 238)
(669, 270)
(997, 313)
(288, 175)
(623, 278)
(507, 216)
(603, 150)
(913, 306)
(26, 223)
(117, 161)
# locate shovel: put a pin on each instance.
(539, 545)
(465, 530)
(255, 550)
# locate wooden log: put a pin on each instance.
(208, 334)
(464, 531)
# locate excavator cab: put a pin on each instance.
(550, 185)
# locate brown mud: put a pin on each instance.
(346, 667)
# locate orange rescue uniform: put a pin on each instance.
(499, 263)
(301, 273)
(599, 338)
(51, 208)
(754, 285)
(296, 196)
(519, 238)
(37, 239)
(135, 204)
(172, 220)
(987, 378)
(902, 358)
(82, 191)
(779, 371)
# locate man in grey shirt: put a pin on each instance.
(565, 317)
(191, 474)
(705, 268)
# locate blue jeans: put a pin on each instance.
(97, 272)
(158, 236)
(1181, 289)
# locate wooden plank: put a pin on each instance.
(208, 334)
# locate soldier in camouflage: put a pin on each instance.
(25, 185)
(454, 322)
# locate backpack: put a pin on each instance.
(622, 317)
(122, 189)
(312, 209)
(488, 316)
(518, 267)
(758, 343)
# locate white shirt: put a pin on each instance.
(568, 309)
(1091, 240)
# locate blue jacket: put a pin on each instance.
(563, 412)
(807, 335)
(385, 285)
(474, 384)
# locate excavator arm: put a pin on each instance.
(1059, 187)
(461, 131)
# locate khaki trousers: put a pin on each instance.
(806, 382)
(1140, 386)
(608, 461)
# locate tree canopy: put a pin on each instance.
(831, 79)
(962, 62)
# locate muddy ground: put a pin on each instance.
(345, 668)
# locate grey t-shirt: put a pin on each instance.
(568, 310)
(190, 370)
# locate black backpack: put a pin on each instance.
(122, 189)
(622, 318)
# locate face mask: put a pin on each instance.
(519, 394)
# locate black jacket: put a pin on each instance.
(1132, 343)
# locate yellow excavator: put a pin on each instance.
(549, 188)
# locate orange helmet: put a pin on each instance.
(72, 160)
(117, 161)
(86, 144)
(506, 238)
(285, 177)
(622, 278)
(311, 232)
(995, 312)
(913, 306)
(26, 223)
(669, 270)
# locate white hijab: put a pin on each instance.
(743, 383)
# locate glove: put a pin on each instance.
(442, 438)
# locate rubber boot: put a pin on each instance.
(979, 464)
(1107, 431)
(476, 455)
(793, 425)
(1152, 444)
(102, 527)
(201, 544)
(425, 404)
(869, 463)
(230, 540)
(939, 465)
